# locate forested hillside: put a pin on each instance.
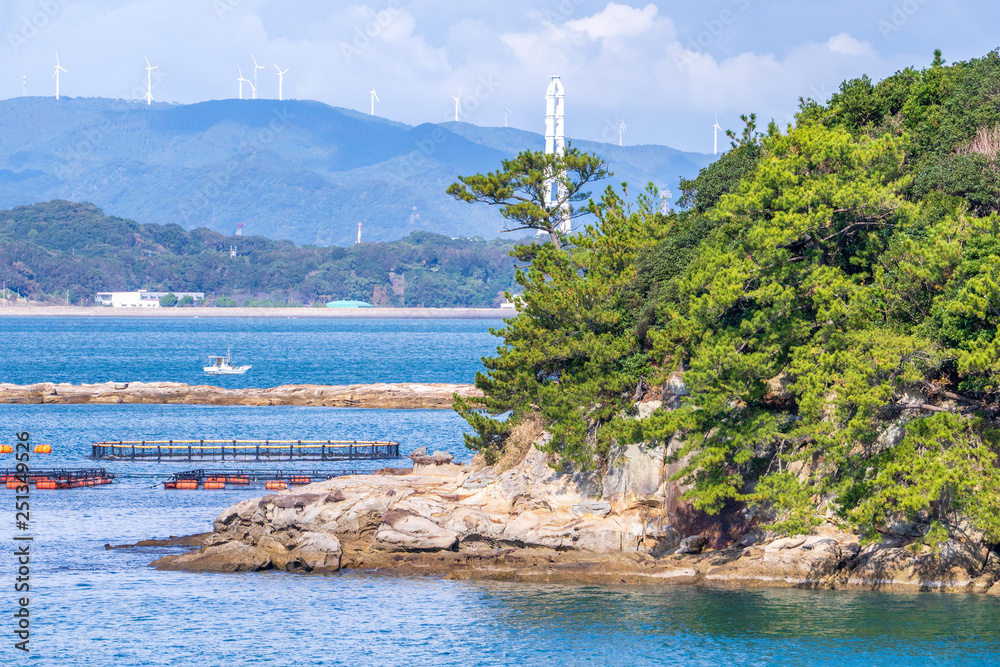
(293, 169)
(822, 320)
(47, 250)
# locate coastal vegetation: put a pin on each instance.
(62, 251)
(822, 316)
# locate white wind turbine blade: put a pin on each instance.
(376, 96)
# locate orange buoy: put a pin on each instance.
(7, 478)
(301, 480)
(187, 484)
(6, 449)
(170, 485)
(43, 449)
(238, 480)
(215, 479)
(46, 484)
(13, 485)
(275, 485)
(214, 485)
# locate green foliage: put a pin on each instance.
(49, 248)
(522, 187)
(225, 302)
(571, 355)
(832, 297)
(168, 300)
(725, 174)
(186, 300)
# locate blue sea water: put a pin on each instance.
(92, 606)
(281, 351)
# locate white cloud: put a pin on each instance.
(846, 45)
(616, 21)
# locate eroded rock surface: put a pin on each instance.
(383, 395)
(538, 523)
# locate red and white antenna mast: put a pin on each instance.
(359, 232)
(239, 230)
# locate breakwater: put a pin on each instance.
(403, 395)
(231, 313)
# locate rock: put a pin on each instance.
(228, 557)
(402, 531)
(676, 386)
(315, 552)
(382, 395)
(890, 437)
(634, 477)
(647, 408)
(600, 508)
(779, 389)
(805, 562)
(955, 566)
(691, 545)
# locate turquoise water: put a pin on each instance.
(92, 606)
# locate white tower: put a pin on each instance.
(281, 80)
(149, 82)
(24, 88)
(555, 143)
(256, 67)
(59, 68)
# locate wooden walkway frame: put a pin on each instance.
(244, 450)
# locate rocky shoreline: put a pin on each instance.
(398, 396)
(535, 523)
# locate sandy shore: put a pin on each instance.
(347, 313)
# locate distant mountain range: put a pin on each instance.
(296, 170)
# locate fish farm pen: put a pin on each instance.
(58, 478)
(245, 450)
(271, 479)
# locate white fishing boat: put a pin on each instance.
(218, 365)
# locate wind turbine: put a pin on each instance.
(255, 68)
(55, 75)
(253, 89)
(24, 84)
(241, 80)
(281, 78)
(506, 112)
(374, 99)
(458, 105)
(149, 82)
(717, 127)
(621, 130)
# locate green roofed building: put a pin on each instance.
(348, 304)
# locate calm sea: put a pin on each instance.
(92, 606)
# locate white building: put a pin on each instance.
(139, 298)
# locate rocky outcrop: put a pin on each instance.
(536, 522)
(383, 395)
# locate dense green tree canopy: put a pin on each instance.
(49, 249)
(830, 297)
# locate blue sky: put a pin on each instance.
(665, 67)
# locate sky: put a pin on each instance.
(665, 68)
